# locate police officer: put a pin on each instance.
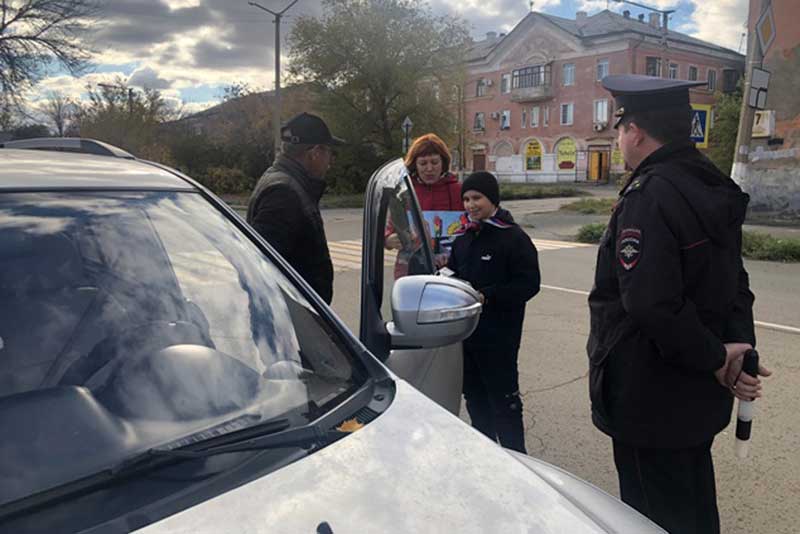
(671, 310)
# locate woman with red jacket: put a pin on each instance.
(437, 189)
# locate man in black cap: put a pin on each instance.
(671, 310)
(284, 206)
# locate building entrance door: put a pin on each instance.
(599, 161)
(479, 162)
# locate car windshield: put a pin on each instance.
(134, 320)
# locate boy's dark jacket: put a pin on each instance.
(501, 263)
(670, 288)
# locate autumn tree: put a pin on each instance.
(37, 35)
(722, 136)
(374, 62)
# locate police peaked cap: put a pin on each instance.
(635, 93)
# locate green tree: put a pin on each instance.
(126, 118)
(374, 62)
(722, 136)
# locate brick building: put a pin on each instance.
(534, 108)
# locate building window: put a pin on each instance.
(601, 111)
(505, 83)
(531, 77)
(692, 73)
(480, 87)
(566, 114)
(602, 69)
(673, 71)
(524, 122)
(479, 123)
(653, 66)
(505, 119)
(546, 118)
(730, 78)
(569, 74)
(712, 80)
(535, 117)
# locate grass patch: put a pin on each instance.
(591, 206)
(528, 191)
(758, 246)
(591, 233)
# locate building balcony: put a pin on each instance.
(537, 93)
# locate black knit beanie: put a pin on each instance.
(482, 182)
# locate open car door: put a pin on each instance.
(391, 208)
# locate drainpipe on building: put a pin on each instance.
(755, 57)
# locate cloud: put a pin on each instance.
(721, 21)
(148, 77)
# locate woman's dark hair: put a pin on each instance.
(427, 145)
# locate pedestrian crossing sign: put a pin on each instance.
(701, 118)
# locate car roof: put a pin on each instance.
(26, 169)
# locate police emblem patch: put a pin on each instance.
(629, 247)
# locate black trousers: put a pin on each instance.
(673, 487)
(491, 389)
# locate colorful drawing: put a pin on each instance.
(438, 221)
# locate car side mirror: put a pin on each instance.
(432, 311)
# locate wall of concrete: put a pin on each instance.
(772, 177)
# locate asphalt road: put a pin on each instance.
(757, 495)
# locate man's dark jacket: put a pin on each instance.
(284, 209)
(670, 288)
(501, 263)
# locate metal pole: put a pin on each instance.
(276, 122)
(276, 119)
(755, 57)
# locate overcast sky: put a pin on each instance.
(190, 49)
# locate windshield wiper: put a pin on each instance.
(304, 437)
(263, 436)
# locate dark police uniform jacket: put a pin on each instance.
(284, 209)
(502, 263)
(670, 288)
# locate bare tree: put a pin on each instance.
(59, 110)
(35, 35)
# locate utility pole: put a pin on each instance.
(276, 119)
(755, 57)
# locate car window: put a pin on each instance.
(405, 238)
(143, 318)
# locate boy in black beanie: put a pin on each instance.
(499, 259)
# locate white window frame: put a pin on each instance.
(711, 86)
(524, 121)
(480, 87)
(568, 80)
(505, 119)
(597, 118)
(597, 69)
(696, 73)
(505, 83)
(659, 66)
(534, 116)
(546, 117)
(677, 71)
(482, 121)
(570, 108)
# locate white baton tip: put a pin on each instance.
(742, 448)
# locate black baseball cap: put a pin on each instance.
(308, 129)
(635, 93)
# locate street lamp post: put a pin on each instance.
(276, 119)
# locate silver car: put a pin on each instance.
(162, 369)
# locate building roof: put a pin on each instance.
(25, 169)
(602, 24)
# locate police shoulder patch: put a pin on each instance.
(629, 247)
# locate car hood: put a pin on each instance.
(416, 468)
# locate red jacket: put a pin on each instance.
(444, 195)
